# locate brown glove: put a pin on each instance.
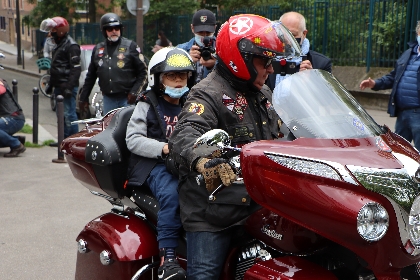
(131, 98)
(215, 171)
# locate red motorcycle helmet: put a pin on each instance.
(244, 36)
(58, 23)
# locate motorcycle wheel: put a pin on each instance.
(43, 83)
(53, 102)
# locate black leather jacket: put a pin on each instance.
(120, 72)
(65, 67)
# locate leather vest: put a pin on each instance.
(116, 72)
(9, 105)
(60, 66)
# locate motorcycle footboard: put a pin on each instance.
(288, 268)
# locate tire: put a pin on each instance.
(43, 84)
(53, 102)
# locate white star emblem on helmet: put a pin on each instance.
(241, 25)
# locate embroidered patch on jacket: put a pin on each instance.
(100, 62)
(101, 52)
(196, 108)
(120, 56)
(120, 63)
(269, 106)
(237, 106)
(122, 49)
(138, 49)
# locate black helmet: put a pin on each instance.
(110, 19)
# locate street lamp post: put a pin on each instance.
(139, 24)
(18, 38)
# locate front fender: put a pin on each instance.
(127, 238)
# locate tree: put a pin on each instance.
(48, 9)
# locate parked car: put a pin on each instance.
(95, 97)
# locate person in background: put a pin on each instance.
(203, 25)
(404, 101)
(11, 121)
(49, 46)
(171, 71)
(234, 98)
(65, 69)
(116, 62)
(296, 23)
(162, 42)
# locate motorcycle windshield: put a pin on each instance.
(313, 104)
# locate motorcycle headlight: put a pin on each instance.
(372, 221)
(414, 222)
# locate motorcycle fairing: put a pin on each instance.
(127, 238)
(329, 207)
(290, 267)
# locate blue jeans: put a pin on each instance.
(8, 127)
(408, 126)
(164, 187)
(69, 112)
(111, 103)
(206, 253)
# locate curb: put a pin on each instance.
(23, 71)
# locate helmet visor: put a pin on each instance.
(272, 40)
(47, 25)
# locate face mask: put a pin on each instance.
(55, 36)
(418, 40)
(175, 92)
(199, 39)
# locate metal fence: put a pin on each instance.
(371, 33)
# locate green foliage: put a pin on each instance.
(164, 8)
(48, 9)
(26, 129)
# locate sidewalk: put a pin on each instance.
(28, 66)
(29, 59)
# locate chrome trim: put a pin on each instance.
(82, 246)
(144, 269)
(105, 257)
(339, 168)
(395, 183)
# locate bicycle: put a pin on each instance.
(44, 80)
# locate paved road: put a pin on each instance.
(42, 206)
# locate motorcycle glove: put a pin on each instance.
(215, 171)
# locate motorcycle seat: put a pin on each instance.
(108, 153)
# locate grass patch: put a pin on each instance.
(33, 145)
(26, 129)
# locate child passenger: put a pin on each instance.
(170, 72)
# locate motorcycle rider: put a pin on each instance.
(233, 97)
(116, 62)
(170, 72)
(65, 69)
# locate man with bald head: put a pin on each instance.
(296, 23)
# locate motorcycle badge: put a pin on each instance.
(380, 143)
(271, 232)
(101, 52)
(100, 62)
(120, 56)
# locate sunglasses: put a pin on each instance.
(109, 29)
(267, 62)
(174, 76)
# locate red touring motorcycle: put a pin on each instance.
(339, 194)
